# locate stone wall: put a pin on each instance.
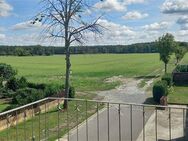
(18, 115)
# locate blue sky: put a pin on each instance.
(128, 21)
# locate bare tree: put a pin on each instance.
(67, 20)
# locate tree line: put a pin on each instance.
(49, 50)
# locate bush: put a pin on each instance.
(167, 78)
(10, 107)
(6, 71)
(13, 84)
(36, 86)
(182, 68)
(53, 89)
(22, 82)
(159, 90)
(27, 95)
(72, 92)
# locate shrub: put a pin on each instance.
(36, 86)
(13, 84)
(1, 82)
(168, 78)
(7, 93)
(159, 90)
(27, 95)
(72, 92)
(22, 82)
(6, 71)
(10, 107)
(53, 89)
(182, 68)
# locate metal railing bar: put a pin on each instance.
(119, 114)
(39, 124)
(25, 138)
(122, 103)
(108, 120)
(25, 106)
(77, 122)
(68, 138)
(58, 115)
(32, 126)
(45, 122)
(16, 126)
(131, 122)
(170, 131)
(98, 122)
(156, 124)
(184, 134)
(143, 123)
(7, 127)
(87, 138)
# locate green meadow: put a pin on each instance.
(88, 71)
(179, 94)
(88, 74)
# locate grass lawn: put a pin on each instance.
(88, 74)
(88, 71)
(46, 126)
(3, 106)
(180, 95)
(185, 60)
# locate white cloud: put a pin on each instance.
(183, 22)
(5, 8)
(157, 26)
(27, 25)
(116, 5)
(2, 36)
(175, 6)
(182, 33)
(133, 15)
(133, 1)
(110, 5)
(114, 29)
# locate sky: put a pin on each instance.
(125, 22)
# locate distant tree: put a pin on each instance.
(6, 71)
(20, 52)
(67, 20)
(166, 45)
(179, 53)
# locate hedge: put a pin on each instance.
(168, 78)
(159, 90)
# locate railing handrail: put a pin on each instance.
(122, 103)
(75, 99)
(22, 107)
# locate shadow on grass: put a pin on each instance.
(150, 101)
(147, 77)
(181, 85)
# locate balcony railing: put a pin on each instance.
(92, 120)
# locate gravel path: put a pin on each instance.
(128, 92)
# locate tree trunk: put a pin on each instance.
(67, 76)
(165, 67)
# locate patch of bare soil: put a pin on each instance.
(128, 91)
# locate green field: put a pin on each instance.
(185, 59)
(180, 93)
(88, 74)
(88, 71)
